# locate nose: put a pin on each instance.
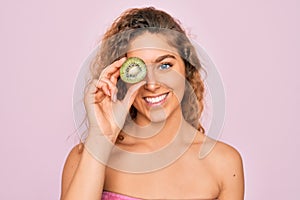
(151, 82)
(151, 86)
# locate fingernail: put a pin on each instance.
(115, 98)
(108, 93)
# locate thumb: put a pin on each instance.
(131, 94)
(120, 108)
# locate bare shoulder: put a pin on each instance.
(218, 151)
(224, 152)
(74, 157)
(70, 166)
(228, 166)
(223, 157)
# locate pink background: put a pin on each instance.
(255, 45)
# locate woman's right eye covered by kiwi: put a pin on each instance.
(133, 70)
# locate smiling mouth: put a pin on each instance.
(156, 100)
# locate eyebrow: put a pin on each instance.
(160, 58)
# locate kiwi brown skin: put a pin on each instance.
(133, 70)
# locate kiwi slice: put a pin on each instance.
(133, 70)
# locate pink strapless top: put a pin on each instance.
(106, 195)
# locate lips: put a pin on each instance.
(156, 100)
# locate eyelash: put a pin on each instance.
(164, 64)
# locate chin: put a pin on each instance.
(157, 115)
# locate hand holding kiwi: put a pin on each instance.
(106, 115)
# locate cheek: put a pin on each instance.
(138, 101)
(175, 81)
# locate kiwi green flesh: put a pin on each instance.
(133, 70)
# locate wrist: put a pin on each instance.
(99, 146)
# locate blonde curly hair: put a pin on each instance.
(137, 21)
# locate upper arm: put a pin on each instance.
(70, 167)
(231, 174)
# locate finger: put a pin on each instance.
(112, 87)
(95, 86)
(94, 92)
(90, 97)
(102, 85)
(99, 96)
(92, 88)
(131, 93)
(111, 69)
(114, 77)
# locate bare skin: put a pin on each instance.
(218, 175)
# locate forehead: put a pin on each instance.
(149, 45)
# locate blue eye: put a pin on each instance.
(165, 66)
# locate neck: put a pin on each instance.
(152, 136)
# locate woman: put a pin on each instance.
(153, 153)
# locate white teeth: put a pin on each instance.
(155, 99)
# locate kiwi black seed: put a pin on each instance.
(133, 70)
